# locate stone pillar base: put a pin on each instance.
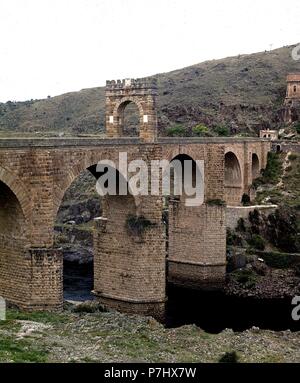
(154, 309)
(30, 307)
(38, 284)
(46, 280)
(196, 276)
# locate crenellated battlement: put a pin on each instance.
(293, 77)
(140, 83)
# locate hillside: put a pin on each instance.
(243, 92)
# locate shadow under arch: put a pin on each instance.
(18, 189)
(233, 180)
(255, 166)
(74, 230)
(14, 276)
(184, 174)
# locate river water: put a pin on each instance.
(211, 311)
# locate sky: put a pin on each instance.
(50, 47)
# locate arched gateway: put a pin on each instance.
(143, 94)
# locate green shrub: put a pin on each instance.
(280, 260)
(229, 357)
(89, 307)
(257, 242)
(272, 172)
(247, 278)
(297, 127)
(222, 131)
(232, 239)
(200, 130)
(176, 131)
(137, 224)
(255, 220)
(283, 230)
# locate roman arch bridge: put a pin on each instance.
(130, 266)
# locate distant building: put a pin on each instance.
(292, 99)
(272, 134)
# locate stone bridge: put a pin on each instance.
(130, 269)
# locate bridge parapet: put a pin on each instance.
(15, 143)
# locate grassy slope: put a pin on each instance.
(115, 337)
(246, 89)
(282, 183)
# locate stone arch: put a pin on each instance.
(196, 174)
(18, 188)
(12, 218)
(233, 173)
(233, 179)
(255, 166)
(119, 114)
(14, 276)
(115, 211)
(124, 102)
(71, 175)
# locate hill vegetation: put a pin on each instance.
(238, 94)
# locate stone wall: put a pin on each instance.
(286, 146)
(234, 213)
